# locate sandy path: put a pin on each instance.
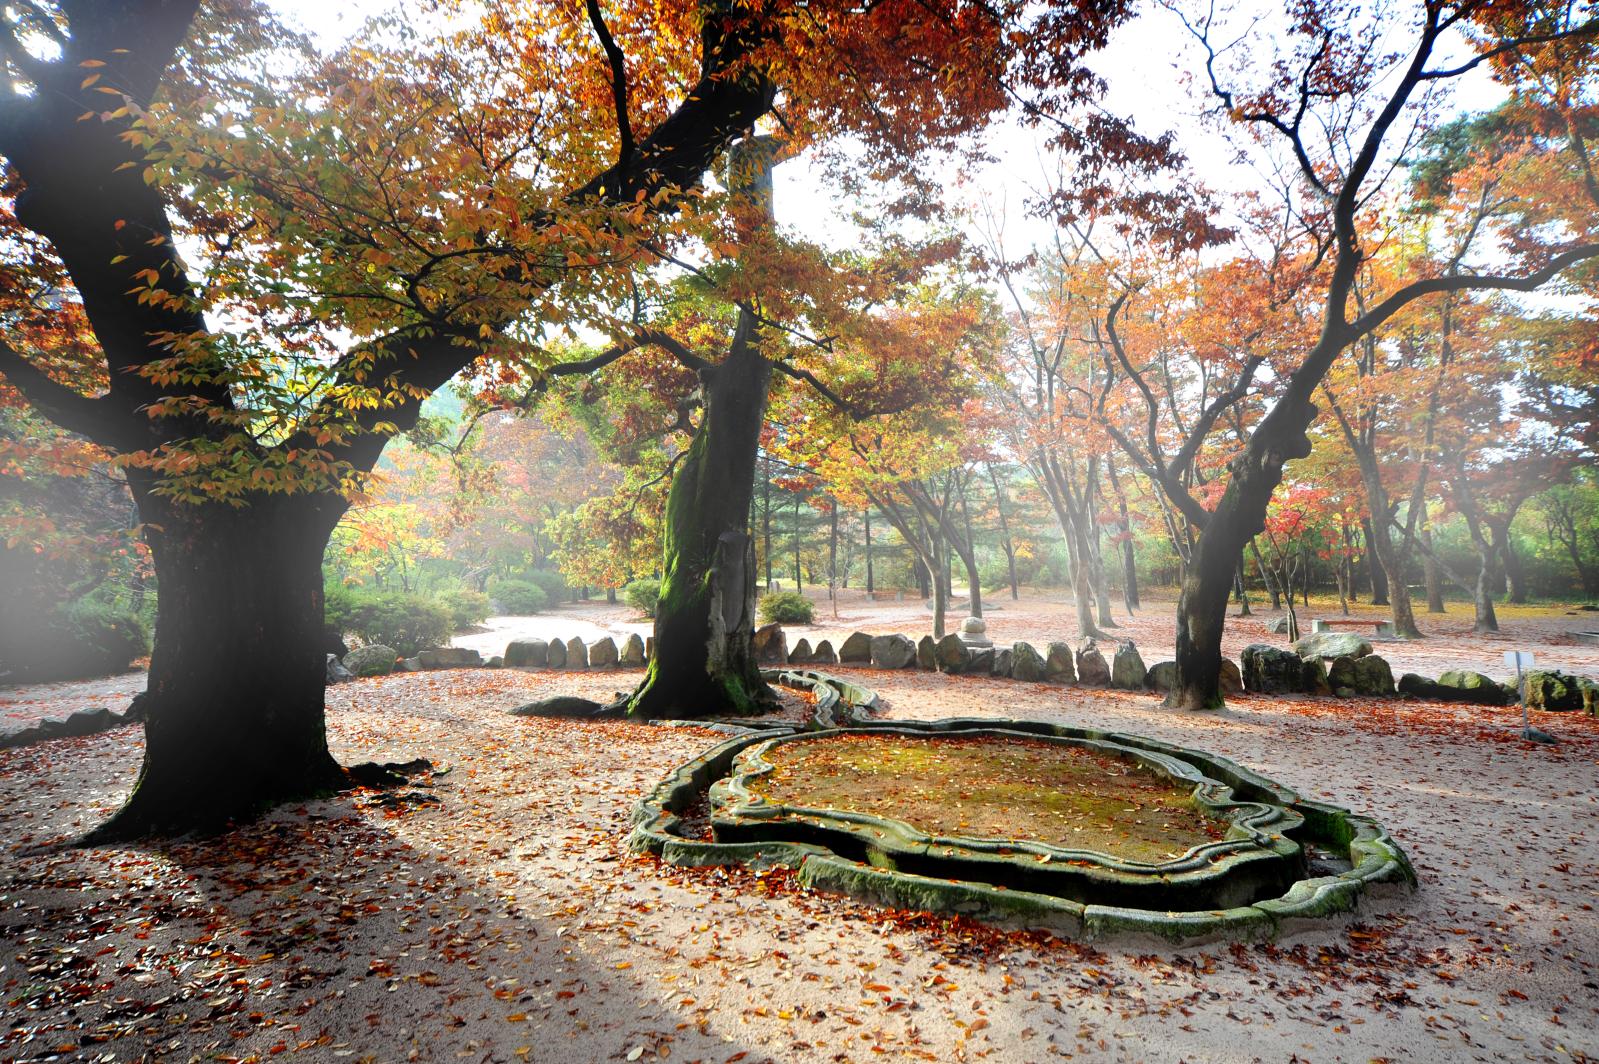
(508, 923)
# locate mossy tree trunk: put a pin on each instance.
(704, 663)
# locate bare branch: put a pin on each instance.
(1374, 318)
(613, 53)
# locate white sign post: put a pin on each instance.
(1519, 660)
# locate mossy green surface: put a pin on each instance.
(998, 787)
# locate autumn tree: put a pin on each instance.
(917, 459)
(366, 225)
(1339, 105)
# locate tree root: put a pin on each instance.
(388, 774)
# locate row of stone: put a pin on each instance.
(1057, 662)
(75, 725)
(1352, 669)
(379, 660)
(1326, 663)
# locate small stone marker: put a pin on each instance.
(1519, 660)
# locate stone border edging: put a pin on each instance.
(838, 702)
(75, 725)
(1377, 862)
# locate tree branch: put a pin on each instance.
(1587, 29)
(1374, 318)
(613, 53)
(103, 422)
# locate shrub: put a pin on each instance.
(553, 584)
(644, 594)
(87, 638)
(108, 638)
(408, 623)
(785, 607)
(467, 607)
(519, 597)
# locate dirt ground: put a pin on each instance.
(507, 922)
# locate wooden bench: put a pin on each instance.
(891, 595)
(1322, 624)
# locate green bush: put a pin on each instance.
(644, 594)
(518, 597)
(109, 638)
(553, 584)
(467, 607)
(408, 623)
(86, 638)
(785, 607)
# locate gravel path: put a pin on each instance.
(507, 922)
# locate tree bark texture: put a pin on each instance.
(234, 708)
(704, 663)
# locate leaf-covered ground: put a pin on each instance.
(1000, 788)
(506, 921)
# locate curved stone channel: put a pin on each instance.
(1282, 861)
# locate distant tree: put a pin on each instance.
(358, 229)
(1337, 108)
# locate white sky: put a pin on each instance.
(1143, 68)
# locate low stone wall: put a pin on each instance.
(1326, 663)
(75, 725)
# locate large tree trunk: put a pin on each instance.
(704, 663)
(233, 714)
(1201, 618)
(1239, 516)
